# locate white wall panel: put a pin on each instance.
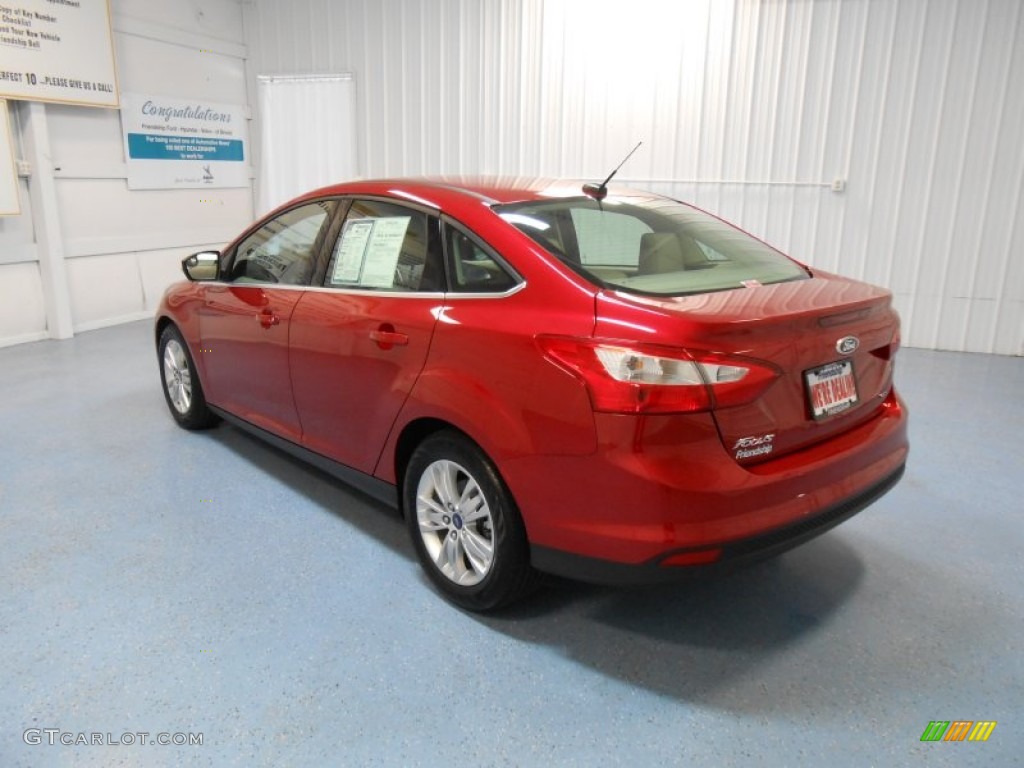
(158, 269)
(104, 289)
(750, 108)
(176, 69)
(22, 312)
(110, 230)
(123, 247)
(103, 216)
(17, 240)
(214, 18)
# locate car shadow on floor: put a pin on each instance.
(713, 641)
(375, 518)
(616, 630)
(690, 638)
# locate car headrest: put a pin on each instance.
(660, 252)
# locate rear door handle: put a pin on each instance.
(267, 318)
(386, 337)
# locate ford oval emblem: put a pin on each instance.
(847, 345)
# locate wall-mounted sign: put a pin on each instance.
(57, 50)
(173, 142)
(9, 203)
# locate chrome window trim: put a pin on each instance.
(483, 295)
(422, 206)
(419, 204)
(370, 292)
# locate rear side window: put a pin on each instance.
(650, 245)
(474, 267)
(387, 247)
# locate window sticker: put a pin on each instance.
(383, 250)
(368, 251)
(351, 247)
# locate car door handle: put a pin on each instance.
(267, 318)
(386, 337)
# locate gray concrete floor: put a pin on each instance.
(156, 581)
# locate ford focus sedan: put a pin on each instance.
(607, 385)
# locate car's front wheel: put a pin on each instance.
(464, 524)
(182, 389)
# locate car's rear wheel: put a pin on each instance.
(464, 524)
(182, 388)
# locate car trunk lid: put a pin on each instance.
(829, 339)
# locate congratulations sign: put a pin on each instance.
(181, 143)
(57, 50)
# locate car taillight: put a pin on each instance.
(646, 378)
(888, 352)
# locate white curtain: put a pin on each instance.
(307, 127)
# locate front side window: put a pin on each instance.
(387, 247)
(284, 249)
(651, 246)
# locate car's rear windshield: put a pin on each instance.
(651, 246)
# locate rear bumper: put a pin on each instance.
(734, 554)
(662, 487)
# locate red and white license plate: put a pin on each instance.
(831, 388)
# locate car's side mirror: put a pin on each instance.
(201, 266)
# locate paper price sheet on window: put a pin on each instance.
(367, 252)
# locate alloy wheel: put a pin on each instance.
(455, 523)
(177, 377)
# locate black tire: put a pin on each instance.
(184, 394)
(452, 550)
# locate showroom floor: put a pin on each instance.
(164, 582)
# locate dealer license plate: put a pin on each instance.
(831, 388)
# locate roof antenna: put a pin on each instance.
(600, 192)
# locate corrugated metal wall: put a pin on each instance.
(750, 109)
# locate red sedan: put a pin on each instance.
(612, 386)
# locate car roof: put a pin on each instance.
(441, 191)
